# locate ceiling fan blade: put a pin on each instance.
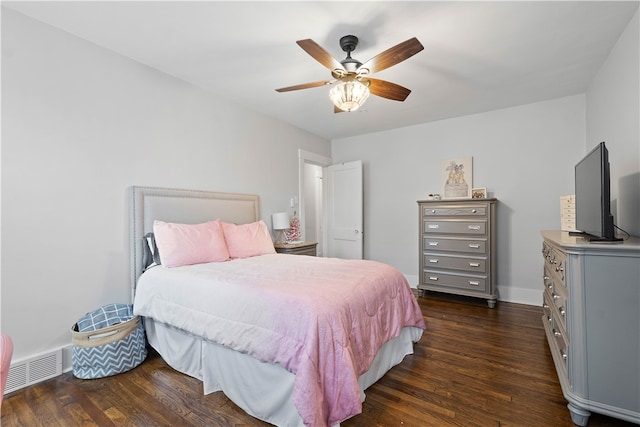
(392, 56)
(319, 54)
(305, 86)
(387, 90)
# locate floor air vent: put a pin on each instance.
(34, 370)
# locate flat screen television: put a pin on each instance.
(593, 198)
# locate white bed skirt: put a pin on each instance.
(263, 390)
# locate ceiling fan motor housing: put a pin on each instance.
(349, 44)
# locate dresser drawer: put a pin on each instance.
(557, 306)
(453, 244)
(461, 281)
(559, 299)
(455, 227)
(461, 210)
(554, 264)
(547, 307)
(431, 260)
(560, 343)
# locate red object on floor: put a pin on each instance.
(6, 351)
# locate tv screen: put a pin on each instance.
(592, 188)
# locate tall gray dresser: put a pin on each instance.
(591, 304)
(457, 247)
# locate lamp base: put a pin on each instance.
(281, 237)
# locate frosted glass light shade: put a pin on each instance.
(280, 221)
(349, 96)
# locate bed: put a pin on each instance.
(293, 340)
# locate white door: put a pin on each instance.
(343, 190)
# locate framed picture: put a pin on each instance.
(478, 193)
(457, 178)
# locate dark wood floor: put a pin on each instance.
(474, 366)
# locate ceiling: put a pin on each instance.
(478, 56)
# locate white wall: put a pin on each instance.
(80, 125)
(523, 155)
(613, 112)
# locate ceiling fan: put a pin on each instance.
(351, 77)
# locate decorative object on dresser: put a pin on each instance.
(457, 178)
(457, 247)
(293, 234)
(568, 213)
(478, 193)
(591, 304)
(303, 248)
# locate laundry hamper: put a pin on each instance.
(108, 341)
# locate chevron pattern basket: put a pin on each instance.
(108, 341)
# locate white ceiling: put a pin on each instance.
(478, 56)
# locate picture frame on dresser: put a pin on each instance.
(457, 178)
(479, 193)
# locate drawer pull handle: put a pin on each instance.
(556, 333)
(433, 243)
(433, 226)
(433, 211)
(474, 227)
(474, 246)
(433, 261)
(564, 355)
(474, 283)
(545, 305)
(555, 296)
(562, 311)
(434, 278)
(474, 264)
(473, 211)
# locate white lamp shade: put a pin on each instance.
(280, 221)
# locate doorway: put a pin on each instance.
(311, 197)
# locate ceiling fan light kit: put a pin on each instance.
(350, 76)
(349, 96)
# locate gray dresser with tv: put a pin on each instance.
(591, 304)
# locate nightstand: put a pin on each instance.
(304, 248)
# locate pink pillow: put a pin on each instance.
(186, 244)
(247, 240)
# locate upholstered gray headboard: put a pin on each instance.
(147, 204)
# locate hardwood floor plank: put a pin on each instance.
(474, 366)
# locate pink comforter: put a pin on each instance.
(322, 319)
